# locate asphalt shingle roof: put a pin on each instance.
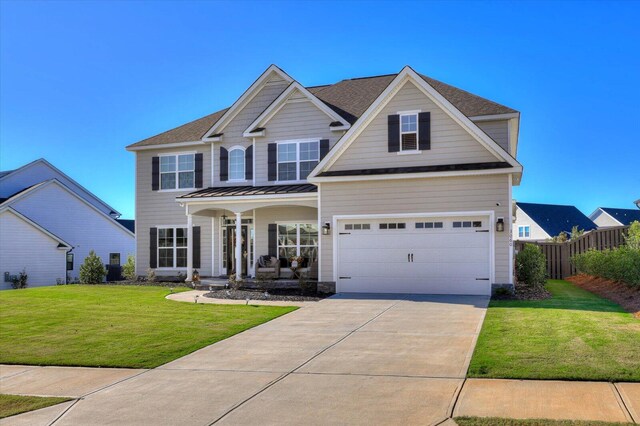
(349, 98)
(130, 224)
(555, 219)
(624, 216)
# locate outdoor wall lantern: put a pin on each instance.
(326, 228)
(500, 224)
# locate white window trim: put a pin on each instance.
(175, 248)
(298, 245)
(297, 142)
(176, 155)
(523, 231)
(244, 163)
(417, 132)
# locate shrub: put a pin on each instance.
(129, 269)
(619, 264)
(151, 275)
(531, 266)
(20, 280)
(92, 271)
(632, 239)
(576, 232)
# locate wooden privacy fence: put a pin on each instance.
(559, 255)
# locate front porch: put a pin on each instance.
(279, 221)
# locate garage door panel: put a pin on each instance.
(445, 261)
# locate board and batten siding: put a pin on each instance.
(399, 196)
(298, 120)
(234, 129)
(498, 130)
(159, 208)
(70, 218)
(23, 246)
(450, 143)
(536, 233)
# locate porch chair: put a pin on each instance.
(268, 267)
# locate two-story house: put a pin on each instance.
(396, 183)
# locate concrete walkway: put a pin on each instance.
(344, 360)
(197, 296)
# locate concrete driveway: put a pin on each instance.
(351, 359)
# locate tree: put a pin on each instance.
(92, 271)
(632, 239)
(129, 268)
(531, 266)
(575, 232)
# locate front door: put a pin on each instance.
(231, 253)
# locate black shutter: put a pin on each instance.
(155, 173)
(272, 158)
(273, 240)
(198, 171)
(196, 246)
(424, 130)
(393, 122)
(248, 163)
(224, 164)
(153, 248)
(324, 148)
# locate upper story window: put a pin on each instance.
(236, 164)
(408, 132)
(177, 171)
(297, 159)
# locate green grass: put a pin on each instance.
(10, 405)
(114, 326)
(575, 335)
(494, 421)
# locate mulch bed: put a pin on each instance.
(626, 296)
(524, 292)
(285, 294)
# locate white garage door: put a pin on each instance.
(441, 255)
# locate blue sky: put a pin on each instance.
(80, 80)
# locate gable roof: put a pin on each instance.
(62, 244)
(555, 219)
(349, 98)
(130, 224)
(624, 216)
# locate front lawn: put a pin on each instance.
(494, 421)
(114, 326)
(575, 335)
(10, 405)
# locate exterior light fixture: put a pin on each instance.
(326, 228)
(500, 224)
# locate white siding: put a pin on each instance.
(68, 217)
(23, 246)
(452, 194)
(498, 130)
(450, 143)
(158, 208)
(536, 232)
(39, 172)
(603, 220)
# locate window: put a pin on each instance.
(297, 159)
(69, 261)
(236, 164)
(177, 170)
(524, 231)
(429, 225)
(114, 259)
(357, 226)
(408, 132)
(392, 226)
(465, 224)
(172, 247)
(298, 239)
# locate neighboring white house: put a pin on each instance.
(52, 206)
(395, 183)
(539, 222)
(606, 217)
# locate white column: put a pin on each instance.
(189, 248)
(238, 246)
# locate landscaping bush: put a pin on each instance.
(620, 264)
(632, 239)
(531, 266)
(92, 271)
(129, 269)
(20, 281)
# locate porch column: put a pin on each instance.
(238, 246)
(189, 248)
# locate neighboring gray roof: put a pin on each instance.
(417, 169)
(349, 98)
(130, 224)
(6, 172)
(15, 194)
(555, 219)
(238, 191)
(624, 216)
